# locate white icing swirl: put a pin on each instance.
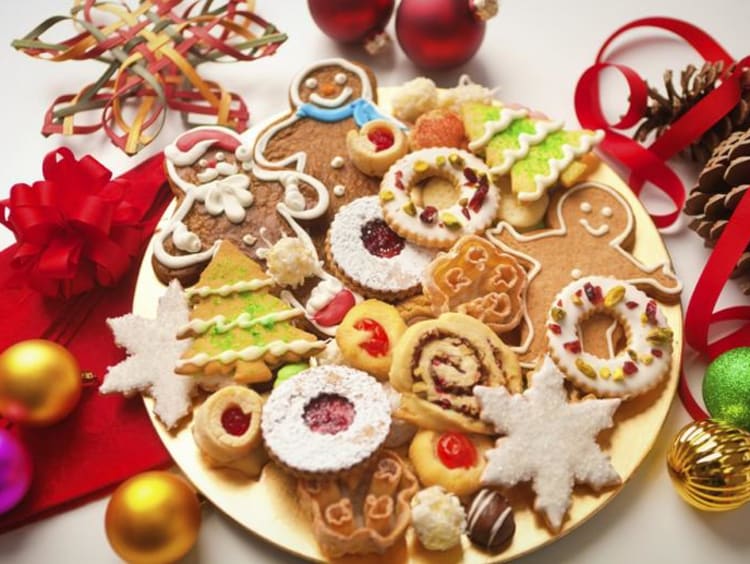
(230, 195)
(184, 239)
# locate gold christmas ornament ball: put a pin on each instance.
(709, 463)
(40, 382)
(153, 518)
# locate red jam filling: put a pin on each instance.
(235, 421)
(381, 138)
(456, 450)
(329, 414)
(378, 343)
(380, 240)
(335, 310)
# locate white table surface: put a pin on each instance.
(534, 51)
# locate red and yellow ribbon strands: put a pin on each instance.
(151, 53)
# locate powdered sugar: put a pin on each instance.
(296, 445)
(381, 274)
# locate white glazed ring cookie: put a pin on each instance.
(371, 256)
(636, 369)
(468, 204)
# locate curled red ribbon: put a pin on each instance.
(649, 164)
(77, 228)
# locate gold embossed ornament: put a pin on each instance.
(709, 463)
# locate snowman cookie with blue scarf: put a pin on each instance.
(328, 99)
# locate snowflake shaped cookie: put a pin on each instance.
(153, 351)
(548, 441)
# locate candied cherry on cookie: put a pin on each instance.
(325, 420)
(376, 146)
(432, 197)
(452, 460)
(367, 335)
(639, 367)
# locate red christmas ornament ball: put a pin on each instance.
(351, 21)
(438, 34)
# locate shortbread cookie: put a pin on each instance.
(222, 195)
(438, 128)
(434, 196)
(226, 428)
(547, 441)
(438, 362)
(364, 514)
(535, 152)
(491, 523)
(325, 421)
(451, 460)
(591, 230)
(639, 367)
(477, 279)
(236, 326)
(367, 336)
(370, 257)
(438, 518)
(376, 146)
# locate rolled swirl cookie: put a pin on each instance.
(436, 365)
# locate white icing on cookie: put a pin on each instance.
(291, 440)
(576, 273)
(405, 217)
(252, 352)
(600, 231)
(229, 289)
(339, 190)
(227, 169)
(311, 83)
(381, 274)
(220, 324)
(184, 239)
(230, 196)
(507, 116)
(647, 356)
(525, 142)
(586, 207)
(607, 211)
(340, 78)
(322, 295)
(207, 175)
(337, 161)
(249, 240)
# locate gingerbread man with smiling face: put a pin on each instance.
(328, 99)
(591, 231)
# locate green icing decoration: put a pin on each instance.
(537, 162)
(475, 115)
(289, 370)
(508, 139)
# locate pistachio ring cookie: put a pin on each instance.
(434, 196)
(639, 367)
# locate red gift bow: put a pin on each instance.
(649, 164)
(76, 229)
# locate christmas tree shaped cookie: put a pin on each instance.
(537, 153)
(237, 327)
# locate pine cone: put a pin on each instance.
(721, 185)
(663, 110)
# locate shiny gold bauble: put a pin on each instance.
(153, 518)
(709, 463)
(40, 382)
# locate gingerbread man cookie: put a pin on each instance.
(591, 231)
(222, 195)
(328, 99)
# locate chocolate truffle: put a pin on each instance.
(490, 520)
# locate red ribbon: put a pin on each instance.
(75, 230)
(649, 164)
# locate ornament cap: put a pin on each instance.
(377, 42)
(485, 9)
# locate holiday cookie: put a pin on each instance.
(376, 146)
(590, 231)
(490, 520)
(536, 153)
(222, 195)
(640, 366)
(434, 196)
(520, 214)
(477, 279)
(236, 326)
(367, 336)
(437, 363)
(370, 257)
(420, 95)
(438, 518)
(362, 514)
(328, 99)
(547, 441)
(438, 128)
(451, 460)
(325, 420)
(226, 428)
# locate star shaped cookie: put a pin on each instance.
(153, 351)
(548, 441)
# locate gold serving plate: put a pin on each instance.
(269, 506)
